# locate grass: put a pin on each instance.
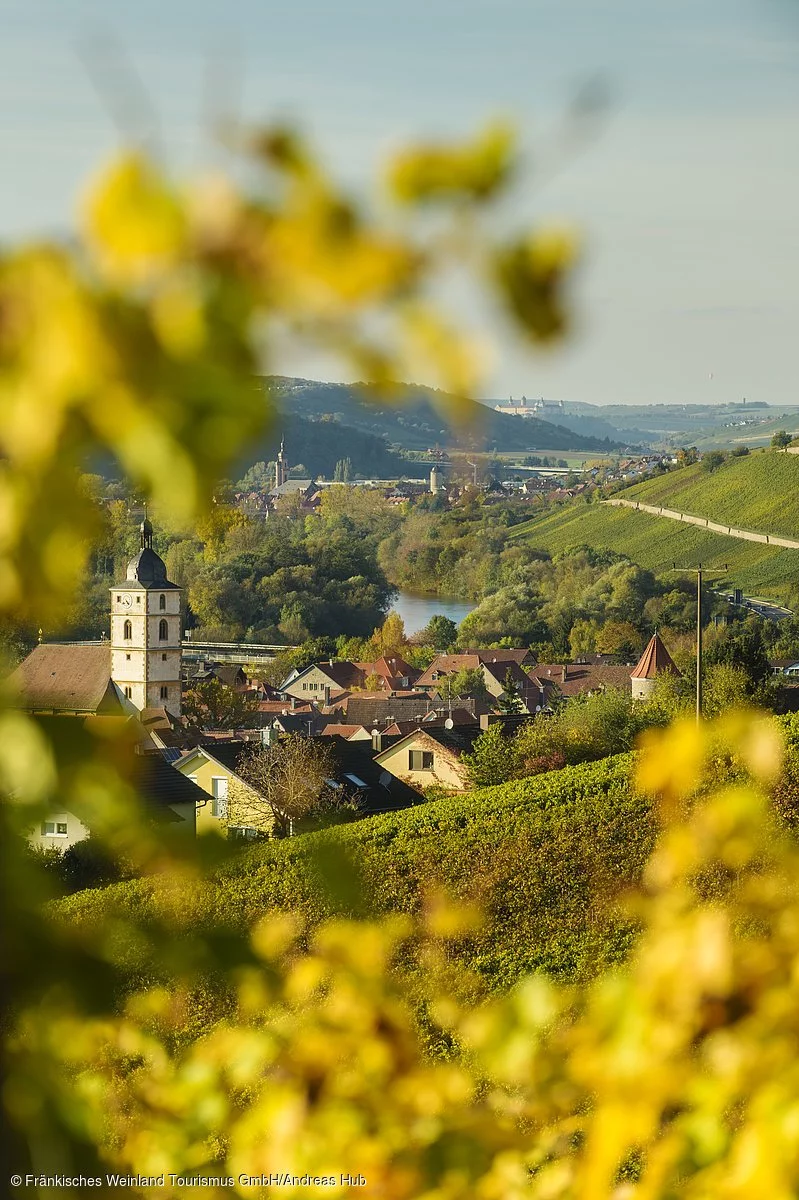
(759, 491)
(546, 858)
(657, 542)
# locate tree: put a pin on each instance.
(724, 687)
(492, 760)
(713, 460)
(511, 699)
(781, 439)
(259, 478)
(390, 637)
(469, 681)
(210, 704)
(343, 471)
(289, 785)
(440, 632)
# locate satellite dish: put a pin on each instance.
(449, 723)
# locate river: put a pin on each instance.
(416, 610)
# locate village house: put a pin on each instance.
(168, 801)
(355, 776)
(320, 681)
(495, 666)
(562, 681)
(431, 756)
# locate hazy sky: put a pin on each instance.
(688, 198)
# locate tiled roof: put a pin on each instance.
(67, 678)
(370, 712)
(655, 660)
(345, 731)
(581, 677)
(448, 664)
(160, 785)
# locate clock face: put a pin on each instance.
(126, 601)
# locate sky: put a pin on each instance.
(686, 197)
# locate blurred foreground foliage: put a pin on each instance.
(675, 1076)
(672, 1076)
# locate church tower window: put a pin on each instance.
(163, 630)
(162, 602)
(127, 631)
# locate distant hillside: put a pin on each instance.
(759, 491)
(319, 444)
(414, 418)
(656, 543)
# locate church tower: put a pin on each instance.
(146, 631)
(281, 466)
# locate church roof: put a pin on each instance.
(654, 661)
(148, 570)
(67, 678)
(292, 486)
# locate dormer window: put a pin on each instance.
(163, 630)
(162, 602)
(127, 631)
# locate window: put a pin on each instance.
(163, 629)
(163, 658)
(127, 658)
(219, 786)
(420, 760)
(128, 693)
(138, 599)
(118, 599)
(162, 603)
(127, 631)
(164, 693)
(54, 829)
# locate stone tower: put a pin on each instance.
(654, 661)
(146, 631)
(435, 483)
(281, 465)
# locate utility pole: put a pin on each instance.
(700, 573)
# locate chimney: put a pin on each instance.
(293, 703)
(485, 720)
(377, 741)
(564, 673)
(327, 693)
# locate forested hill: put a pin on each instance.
(319, 443)
(414, 418)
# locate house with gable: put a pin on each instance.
(495, 666)
(430, 756)
(355, 775)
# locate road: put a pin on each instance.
(773, 612)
